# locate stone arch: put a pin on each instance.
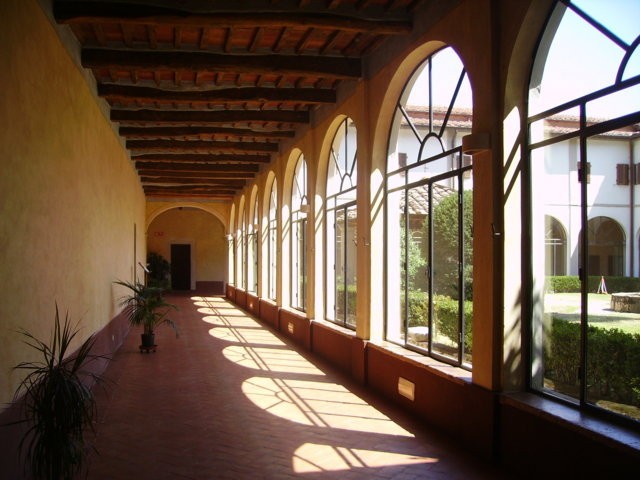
(155, 209)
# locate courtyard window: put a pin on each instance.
(341, 233)
(298, 222)
(587, 71)
(272, 239)
(252, 253)
(429, 213)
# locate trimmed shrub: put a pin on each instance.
(351, 298)
(613, 362)
(446, 319)
(418, 309)
(571, 284)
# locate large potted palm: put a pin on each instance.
(145, 306)
(58, 404)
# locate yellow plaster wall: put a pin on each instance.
(202, 230)
(70, 200)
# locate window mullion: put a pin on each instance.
(584, 292)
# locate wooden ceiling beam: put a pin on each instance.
(155, 132)
(199, 167)
(195, 187)
(200, 158)
(201, 145)
(231, 184)
(115, 93)
(69, 12)
(221, 176)
(208, 117)
(334, 67)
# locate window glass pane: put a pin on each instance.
(467, 266)
(567, 121)
(617, 104)
(340, 266)
(396, 271)
(299, 205)
(555, 193)
(331, 259)
(272, 264)
(632, 68)
(613, 306)
(580, 60)
(446, 272)
(618, 16)
(416, 251)
(350, 242)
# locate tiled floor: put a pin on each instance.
(230, 399)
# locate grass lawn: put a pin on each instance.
(567, 306)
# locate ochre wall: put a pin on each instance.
(70, 200)
(202, 230)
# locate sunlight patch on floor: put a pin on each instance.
(318, 403)
(270, 359)
(250, 336)
(310, 458)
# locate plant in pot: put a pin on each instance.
(58, 404)
(159, 270)
(146, 306)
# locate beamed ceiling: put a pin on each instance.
(204, 92)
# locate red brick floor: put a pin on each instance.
(230, 399)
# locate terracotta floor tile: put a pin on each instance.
(231, 399)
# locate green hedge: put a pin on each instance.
(351, 298)
(445, 311)
(613, 362)
(571, 284)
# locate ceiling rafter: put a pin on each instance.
(335, 67)
(201, 158)
(201, 145)
(115, 93)
(205, 93)
(174, 132)
(132, 13)
(209, 117)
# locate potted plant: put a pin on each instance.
(146, 306)
(159, 270)
(58, 403)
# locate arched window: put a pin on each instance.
(555, 240)
(252, 247)
(240, 246)
(298, 221)
(584, 99)
(341, 234)
(231, 247)
(272, 241)
(429, 213)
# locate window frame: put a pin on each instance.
(298, 236)
(462, 172)
(586, 130)
(272, 241)
(335, 203)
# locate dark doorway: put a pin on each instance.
(180, 267)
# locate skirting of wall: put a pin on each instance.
(210, 288)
